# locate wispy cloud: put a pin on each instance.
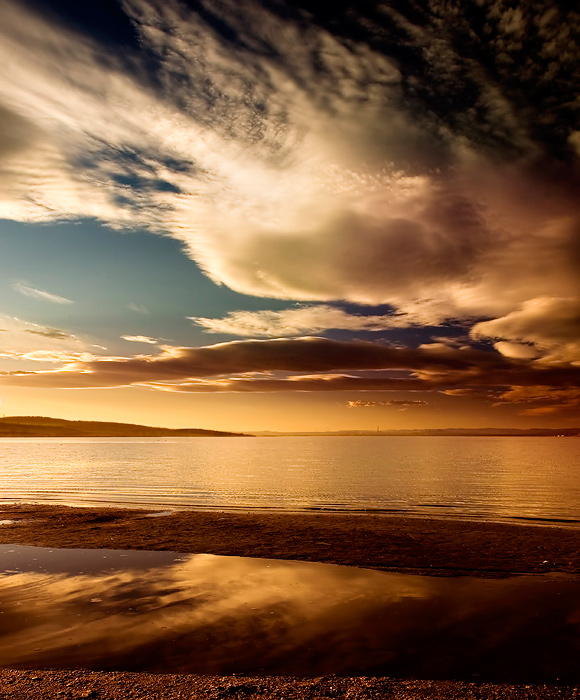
(20, 337)
(399, 403)
(139, 308)
(298, 321)
(53, 333)
(56, 356)
(140, 339)
(41, 294)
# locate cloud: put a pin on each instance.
(550, 326)
(306, 355)
(421, 160)
(35, 293)
(404, 403)
(53, 333)
(139, 308)
(541, 399)
(56, 356)
(21, 337)
(292, 383)
(518, 351)
(371, 367)
(140, 339)
(533, 399)
(297, 321)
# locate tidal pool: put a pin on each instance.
(168, 612)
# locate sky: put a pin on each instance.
(306, 215)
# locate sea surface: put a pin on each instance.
(489, 478)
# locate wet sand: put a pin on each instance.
(436, 546)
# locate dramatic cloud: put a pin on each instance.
(381, 155)
(298, 321)
(29, 291)
(255, 365)
(550, 326)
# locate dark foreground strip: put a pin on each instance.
(49, 685)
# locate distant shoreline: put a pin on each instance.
(41, 426)
(431, 432)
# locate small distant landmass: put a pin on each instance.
(39, 426)
(432, 432)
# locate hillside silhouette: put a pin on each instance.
(40, 426)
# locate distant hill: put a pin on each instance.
(39, 426)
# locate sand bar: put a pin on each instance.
(438, 546)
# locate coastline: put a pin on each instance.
(413, 544)
(418, 545)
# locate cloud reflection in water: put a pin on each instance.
(201, 613)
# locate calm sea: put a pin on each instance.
(489, 478)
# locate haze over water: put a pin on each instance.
(492, 478)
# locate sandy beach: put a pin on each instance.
(436, 546)
(439, 547)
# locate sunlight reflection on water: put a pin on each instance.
(459, 477)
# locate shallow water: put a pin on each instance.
(488, 478)
(167, 612)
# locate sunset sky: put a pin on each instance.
(302, 215)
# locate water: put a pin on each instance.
(167, 612)
(491, 478)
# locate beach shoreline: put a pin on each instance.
(411, 544)
(434, 547)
